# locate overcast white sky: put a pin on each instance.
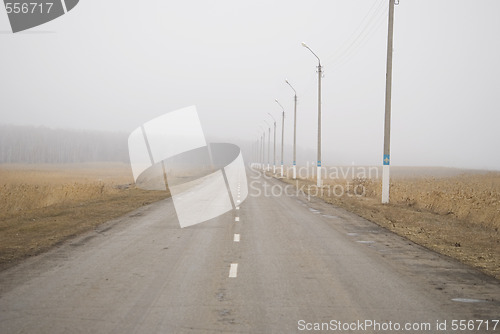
(113, 65)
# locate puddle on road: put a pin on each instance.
(366, 241)
(329, 216)
(468, 300)
(352, 234)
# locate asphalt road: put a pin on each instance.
(297, 263)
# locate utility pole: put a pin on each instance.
(282, 135)
(253, 155)
(256, 152)
(264, 148)
(274, 158)
(318, 182)
(294, 132)
(261, 154)
(388, 96)
(282, 141)
(268, 147)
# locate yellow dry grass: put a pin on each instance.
(474, 198)
(25, 187)
(42, 205)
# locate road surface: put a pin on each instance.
(279, 264)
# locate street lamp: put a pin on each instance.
(319, 115)
(268, 146)
(274, 159)
(282, 134)
(254, 154)
(259, 149)
(294, 132)
(263, 147)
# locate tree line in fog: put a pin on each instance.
(25, 144)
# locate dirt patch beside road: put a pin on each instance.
(43, 205)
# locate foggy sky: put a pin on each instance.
(113, 65)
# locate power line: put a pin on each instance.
(344, 45)
(367, 27)
(362, 42)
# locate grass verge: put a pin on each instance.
(458, 216)
(41, 206)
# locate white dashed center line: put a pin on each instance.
(233, 271)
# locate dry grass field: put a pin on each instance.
(453, 212)
(42, 205)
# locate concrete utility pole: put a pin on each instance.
(254, 155)
(282, 135)
(294, 132)
(274, 159)
(388, 96)
(260, 151)
(261, 155)
(263, 147)
(268, 146)
(257, 152)
(263, 150)
(318, 183)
